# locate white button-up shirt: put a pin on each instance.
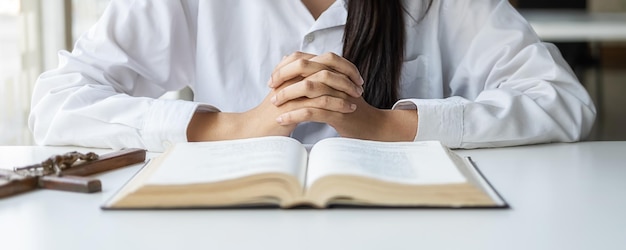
(475, 71)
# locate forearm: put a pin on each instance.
(97, 116)
(214, 126)
(508, 120)
(257, 122)
(398, 125)
(370, 123)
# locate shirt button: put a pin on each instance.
(309, 38)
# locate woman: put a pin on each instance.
(467, 73)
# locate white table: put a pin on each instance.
(563, 196)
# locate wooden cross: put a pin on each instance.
(64, 172)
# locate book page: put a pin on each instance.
(205, 162)
(415, 163)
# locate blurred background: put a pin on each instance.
(33, 31)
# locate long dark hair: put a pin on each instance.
(374, 41)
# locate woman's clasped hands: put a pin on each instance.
(323, 88)
(315, 88)
(326, 88)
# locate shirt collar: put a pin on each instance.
(337, 14)
(415, 11)
(334, 16)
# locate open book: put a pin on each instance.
(278, 171)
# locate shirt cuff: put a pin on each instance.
(166, 122)
(438, 119)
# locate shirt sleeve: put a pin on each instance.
(103, 93)
(506, 87)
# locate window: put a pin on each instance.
(24, 24)
(14, 103)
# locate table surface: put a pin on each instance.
(562, 196)
(576, 26)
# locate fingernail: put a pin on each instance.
(279, 120)
(272, 77)
(359, 90)
(353, 107)
(273, 100)
(362, 81)
(269, 82)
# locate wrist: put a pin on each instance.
(370, 123)
(217, 126)
(398, 125)
(213, 126)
